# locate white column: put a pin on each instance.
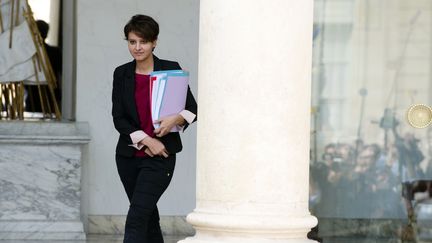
(254, 115)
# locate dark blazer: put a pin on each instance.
(124, 109)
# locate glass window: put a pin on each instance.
(372, 61)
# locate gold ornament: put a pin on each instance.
(419, 116)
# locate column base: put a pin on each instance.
(249, 229)
(216, 239)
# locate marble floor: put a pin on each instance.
(94, 239)
(175, 239)
(364, 240)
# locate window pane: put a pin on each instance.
(372, 62)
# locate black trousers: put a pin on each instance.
(145, 179)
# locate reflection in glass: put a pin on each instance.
(372, 61)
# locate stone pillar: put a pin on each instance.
(254, 114)
(40, 175)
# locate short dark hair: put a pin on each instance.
(144, 26)
(43, 28)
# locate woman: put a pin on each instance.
(145, 156)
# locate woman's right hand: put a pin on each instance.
(154, 147)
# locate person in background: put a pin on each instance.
(54, 53)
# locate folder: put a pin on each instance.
(168, 91)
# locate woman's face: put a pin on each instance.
(139, 48)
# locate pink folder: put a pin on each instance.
(168, 90)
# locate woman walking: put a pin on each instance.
(145, 156)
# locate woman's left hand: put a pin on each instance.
(167, 123)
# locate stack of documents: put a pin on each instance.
(168, 91)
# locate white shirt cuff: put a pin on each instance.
(137, 146)
(188, 116)
(137, 137)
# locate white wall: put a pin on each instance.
(100, 48)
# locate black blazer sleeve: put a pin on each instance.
(191, 104)
(121, 119)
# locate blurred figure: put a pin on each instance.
(54, 53)
(429, 141)
(330, 149)
(375, 185)
(366, 160)
(321, 192)
(363, 186)
(33, 102)
(346, 154)
(410, 157)
(392, 160)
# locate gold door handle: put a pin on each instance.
(419, 115)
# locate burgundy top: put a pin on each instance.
(142, 101)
